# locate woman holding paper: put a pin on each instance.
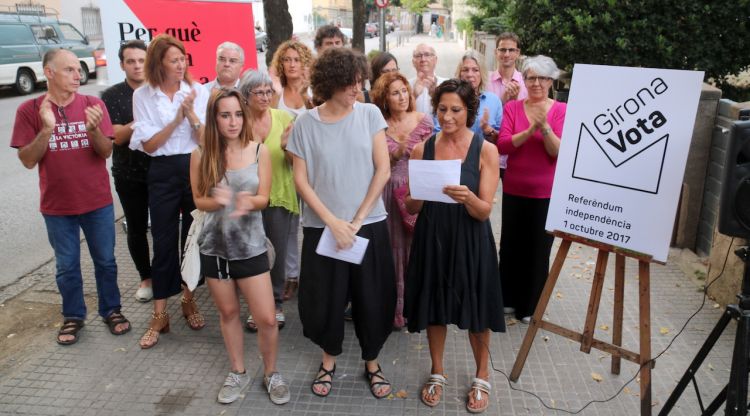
(230, 176)
(452, 276)
(530, 136)
(406, 129)
(340, 168)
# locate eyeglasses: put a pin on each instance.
(61, 113)
(264, 93)
(425, 55)
(507, 50)
(534, 80)
(233, 61)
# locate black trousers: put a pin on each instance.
(524, 252)
(169, 195)
(134, 199)
(326, 282)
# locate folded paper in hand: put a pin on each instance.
(354, 254)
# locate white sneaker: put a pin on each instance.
(233, 386)
(526, 320)
(508, 310)
(277, 387)
(144, 294)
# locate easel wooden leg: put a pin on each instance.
(618, 312)
(541, 306)
(594, 299)
(645, 325)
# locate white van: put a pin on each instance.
(24, 39)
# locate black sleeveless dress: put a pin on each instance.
(453, 276)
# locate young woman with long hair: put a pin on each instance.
(230, 175)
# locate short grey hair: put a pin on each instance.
(253, 79)
(542, 65)
(231, 46)
(479, 59)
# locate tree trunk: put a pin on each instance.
(358, 22)
(279, 26)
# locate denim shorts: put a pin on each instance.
(218, 268)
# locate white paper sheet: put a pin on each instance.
(354, 254)
(427, 178)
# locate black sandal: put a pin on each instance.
(374, 385)
(69, 327)
(114, 319)
(323, 382)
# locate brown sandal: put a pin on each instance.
(69, 327)
(159, 325)
(192, 315)
(290, 288)
(114, 319)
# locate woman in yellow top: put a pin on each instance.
(272, 127)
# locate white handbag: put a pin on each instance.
(191, 261)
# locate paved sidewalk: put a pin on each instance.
(107, 375)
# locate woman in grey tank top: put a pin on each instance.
(230, 176)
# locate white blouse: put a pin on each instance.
(153, 110)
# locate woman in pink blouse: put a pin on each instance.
(530, 136)
(406, 129)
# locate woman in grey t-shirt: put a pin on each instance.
(341, 165)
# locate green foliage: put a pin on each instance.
(415, 6)
(489, 8)
(493, 25)
(464, 25)
(685, 34)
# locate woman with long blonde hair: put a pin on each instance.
(230, 175)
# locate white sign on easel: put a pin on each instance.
(622, 156)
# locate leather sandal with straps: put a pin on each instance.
(70, 327)
(430, 387)
(192, 314)
(322, 372)
(375, 385)
(159, 325)
(479, 386)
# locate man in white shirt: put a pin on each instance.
(507, 82)
(424, 60)
(230, 57)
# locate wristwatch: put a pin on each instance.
(546, 131)
(196, 126)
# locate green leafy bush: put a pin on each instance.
(684, 34)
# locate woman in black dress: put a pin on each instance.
(452, 276)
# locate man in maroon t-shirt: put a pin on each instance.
(69, 136)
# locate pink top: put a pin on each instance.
(531, 169)
(422, 131)
(496, 84)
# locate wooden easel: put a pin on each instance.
(586, 339)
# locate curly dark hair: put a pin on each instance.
(336, 69)
(328, 31)
(378, 62)
(465, 91)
